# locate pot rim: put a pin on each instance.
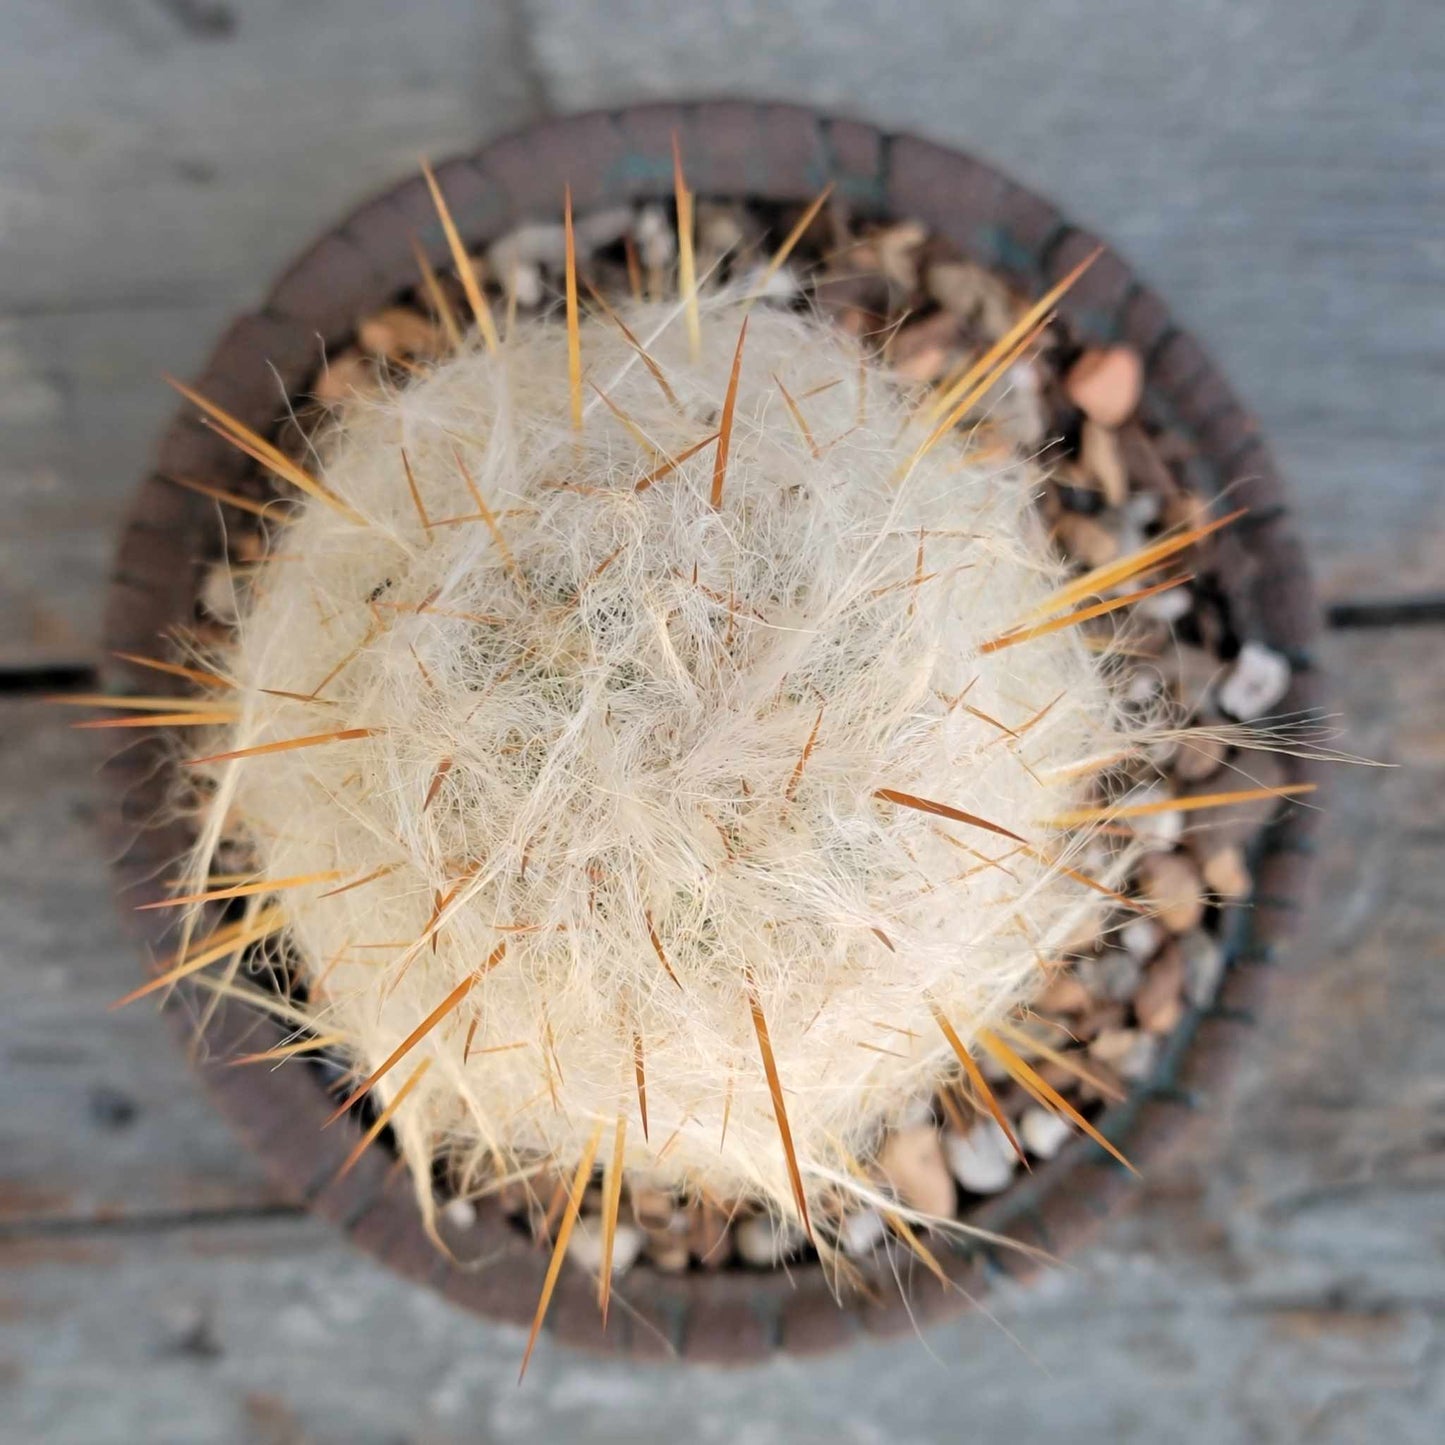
(756, 151)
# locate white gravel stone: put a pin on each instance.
(1259, 678)
(765, 1242)
(982, 1160)
(1141, 938)
(1168, 606)
(1042, 1132)
(861, 1233)
(585, 1246)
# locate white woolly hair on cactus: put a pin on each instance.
(669, 763)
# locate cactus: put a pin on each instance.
(659, 742)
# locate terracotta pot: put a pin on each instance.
(779, 153)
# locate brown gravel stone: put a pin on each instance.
(709, 1236)
(972, 294)
(1106, 384)
(1170, 884)
(912, 1162)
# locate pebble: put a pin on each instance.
(898, 248)
(1147, 467)
(1155, 830)
(1196, 671)
(719, 230)
(345, 375)
(1112, 1046)
(1143, 509)
(982, 1160)
(525, 280)
(1085, 540)
(1106, 384)
(861, 1233)
(1113, 975)
(653, 1209)
(709, 1236)
(1199, 758)
(601, 228)
(459, 1214)
(765, 1242)
(1170, 884)
(398, 333)
(911, 1160)
(1143, 685)
(656, 240)
(921, 351)
(584, 1248)
(1171, 606)
(1159, 1001)
(1203, 966)
(1237, 825)
(1226, 874)
(218, 594)
(668, 1250)
(1065, 994)
(1100, 456)
(1109, 1077)
(1042, 1132)
(1100, 1017)
(1141, 938)
(1258, 680)
(1139, 1059)
(973, 294)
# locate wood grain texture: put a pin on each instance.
(1273, 169)
(160, 161)
(1280, 1281)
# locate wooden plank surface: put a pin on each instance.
(160, 161)
(1273, 169)
(1283, 1282)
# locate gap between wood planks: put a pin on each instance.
(1350, 615)
(157, 1221)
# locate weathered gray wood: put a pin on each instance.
(102, 1116)
(159, 162)
(1282, 1281)
(1273, 169)
(238, 1334)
